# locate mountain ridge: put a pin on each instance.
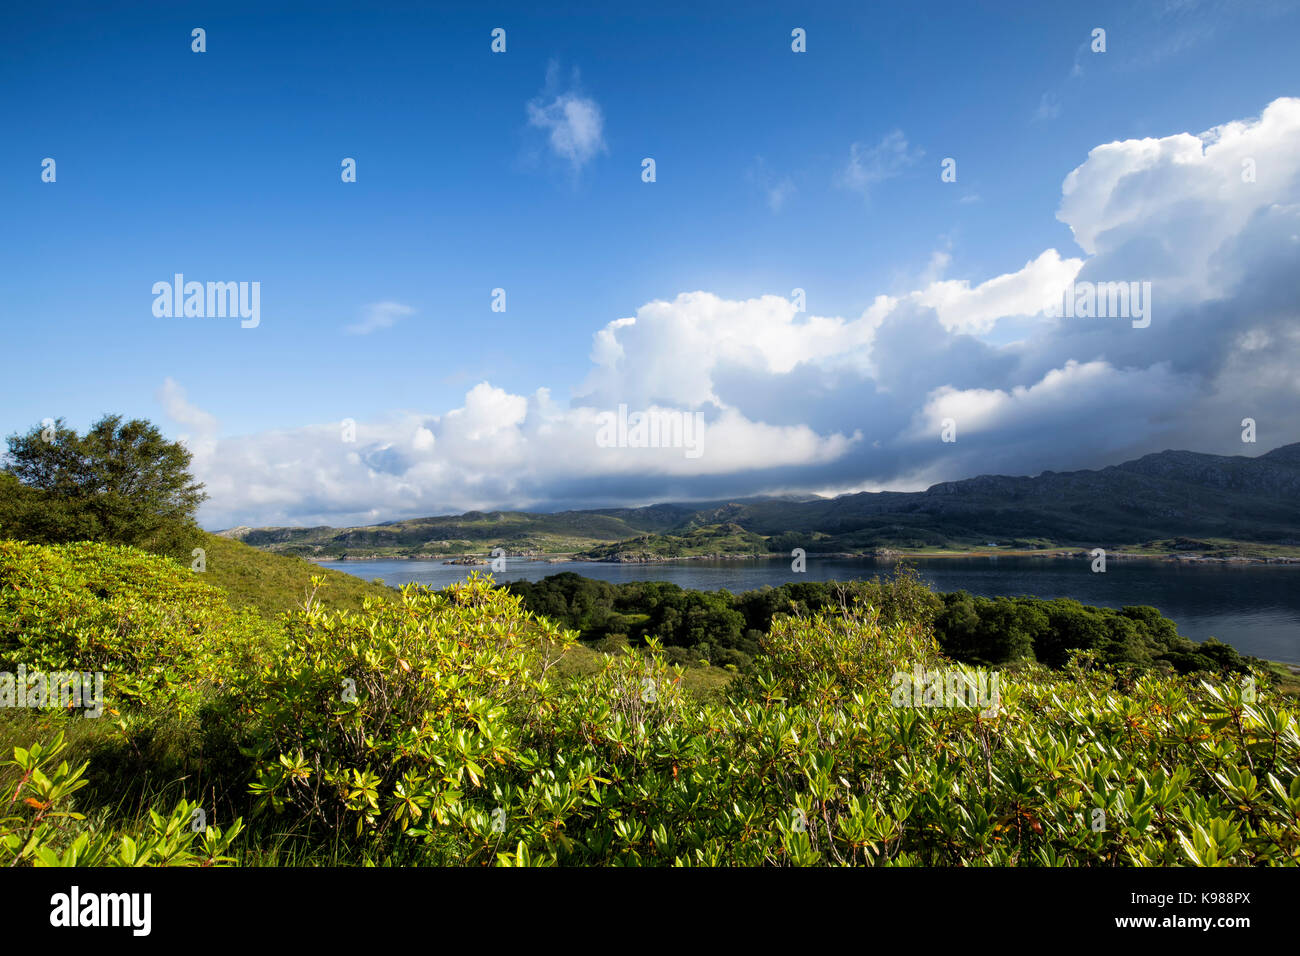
(1171, 494)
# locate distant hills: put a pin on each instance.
(1169, 501)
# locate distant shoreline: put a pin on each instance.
(878, 554)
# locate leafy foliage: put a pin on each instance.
(380, 720)
(437, 730)
(41, 828)
(154, 628)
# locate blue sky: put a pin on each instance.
(775, 170)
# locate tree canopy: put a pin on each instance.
(122, 482)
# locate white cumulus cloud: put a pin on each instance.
(795, 401)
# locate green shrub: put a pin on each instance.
(812, 763)
(160, 635)
(376, 723)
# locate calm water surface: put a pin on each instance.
(1255, 607)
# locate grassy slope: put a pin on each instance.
(274, 583)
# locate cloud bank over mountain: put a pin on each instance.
(801, 402)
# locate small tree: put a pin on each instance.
(122, 483)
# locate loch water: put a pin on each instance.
(1254, 607)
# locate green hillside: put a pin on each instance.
(274, 583)
(474, 532)
(723, 539)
